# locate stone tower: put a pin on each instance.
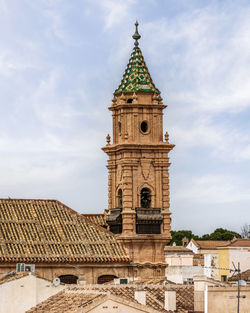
(138, 183)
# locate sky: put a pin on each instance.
(60, 62)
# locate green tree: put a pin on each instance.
(222, 234)
(218, 234)
(178, 235)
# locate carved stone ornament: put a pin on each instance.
(145, 167)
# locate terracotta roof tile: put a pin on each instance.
(210, 244)
(239, 242)
(12, 276)
(66, 302)
(49, 231)
(151, 281)
(74, 298)
(244, 275)
(154, 296)
(177, 249)
(98, 219)
(79, 300)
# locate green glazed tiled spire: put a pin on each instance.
(136, 76)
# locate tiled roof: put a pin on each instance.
(239, 242)
(244, 276)
(34, 231)
(12, 276)
(67, 302)
(151, 281)
(177, 249)
(154, 295)
(76, 297)
(210, 244)
(98, 219)
(82, 300)
(136, 76)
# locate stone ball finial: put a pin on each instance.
(166, 137)
(114, 100)
(108, 139)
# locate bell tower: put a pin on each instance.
(138, 181)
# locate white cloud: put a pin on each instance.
(214, 189)
(210, 50)
(115, 11)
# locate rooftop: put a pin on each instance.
(74, 298)
(38, 231)
(12, 276)
(244, 276)
(98, 219)
(239, 242)
(177, 249)
(210, 244)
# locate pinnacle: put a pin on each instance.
(136, 76)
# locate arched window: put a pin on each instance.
(119, 196)
(130, 100)
(105, 279)
(145, 198)
(119, 127)
(68, 279)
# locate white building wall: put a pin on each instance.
(240, 254)
(180, 274)
(19, 295)
(192, 247)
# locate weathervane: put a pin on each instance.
(136, 35)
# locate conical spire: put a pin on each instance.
(136, 76)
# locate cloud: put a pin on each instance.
(210, 54)
(214, 189)
(115, 11)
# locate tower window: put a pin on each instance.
(119, 127)
(144, 126)
(145, 198)
(120, 198)
(130, 100)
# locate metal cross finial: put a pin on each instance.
(136, 35)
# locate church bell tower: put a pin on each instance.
(138, 181)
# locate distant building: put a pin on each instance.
(238, 250)
(208, 249)
(180, 265)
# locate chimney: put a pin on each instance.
(140, 294)
(170, 300)
(185, 241)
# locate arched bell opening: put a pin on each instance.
(145, 198)
(148, 219)
(119, 199)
